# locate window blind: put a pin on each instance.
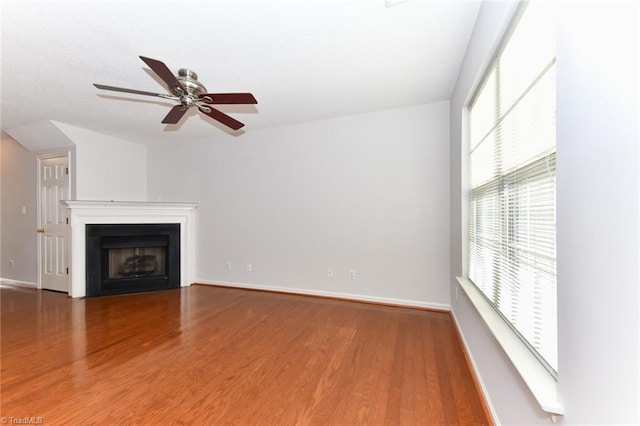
(512, 198)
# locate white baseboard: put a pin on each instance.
(476, 371)
(16, 283)
(331, 294)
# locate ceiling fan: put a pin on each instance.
(186, 89)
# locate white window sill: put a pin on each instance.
(539, 380)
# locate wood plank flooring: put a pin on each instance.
(206, 355)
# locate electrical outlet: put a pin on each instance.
(11, 264)
(352, 274)
(249, 267)
(228, 265)
(329, 272)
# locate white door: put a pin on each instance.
(53, 227)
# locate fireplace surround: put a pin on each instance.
(83, 213)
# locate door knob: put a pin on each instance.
(40, 230)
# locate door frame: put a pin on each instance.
(39, 158)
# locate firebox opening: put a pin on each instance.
(129, 258)
(136, 262)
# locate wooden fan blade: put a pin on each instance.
(175, 114)
(163, 72)
(221, 117)
(122, 89)
(228, 98)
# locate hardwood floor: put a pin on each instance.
(206, 355)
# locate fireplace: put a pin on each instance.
(132, 258)
(83, 213)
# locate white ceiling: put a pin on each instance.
(303, 60)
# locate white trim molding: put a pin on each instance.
(82, 213)
(476, 370)
(16, 283)
(538, 379)
(331, 294)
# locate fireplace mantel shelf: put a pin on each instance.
(82, 213)
(134, 206)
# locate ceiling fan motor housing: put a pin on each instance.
(189, 80)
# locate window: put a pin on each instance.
(512, 202)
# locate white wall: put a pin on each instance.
(18, 236)
(365, 192)
(598, 213)
(598, 218)
(2, 136)
(107, 168)
(102, 168)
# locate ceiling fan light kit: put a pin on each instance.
(187, 90)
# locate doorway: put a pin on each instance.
(53, 227)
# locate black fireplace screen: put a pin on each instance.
(129, 258)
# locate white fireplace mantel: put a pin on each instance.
(82, 213)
